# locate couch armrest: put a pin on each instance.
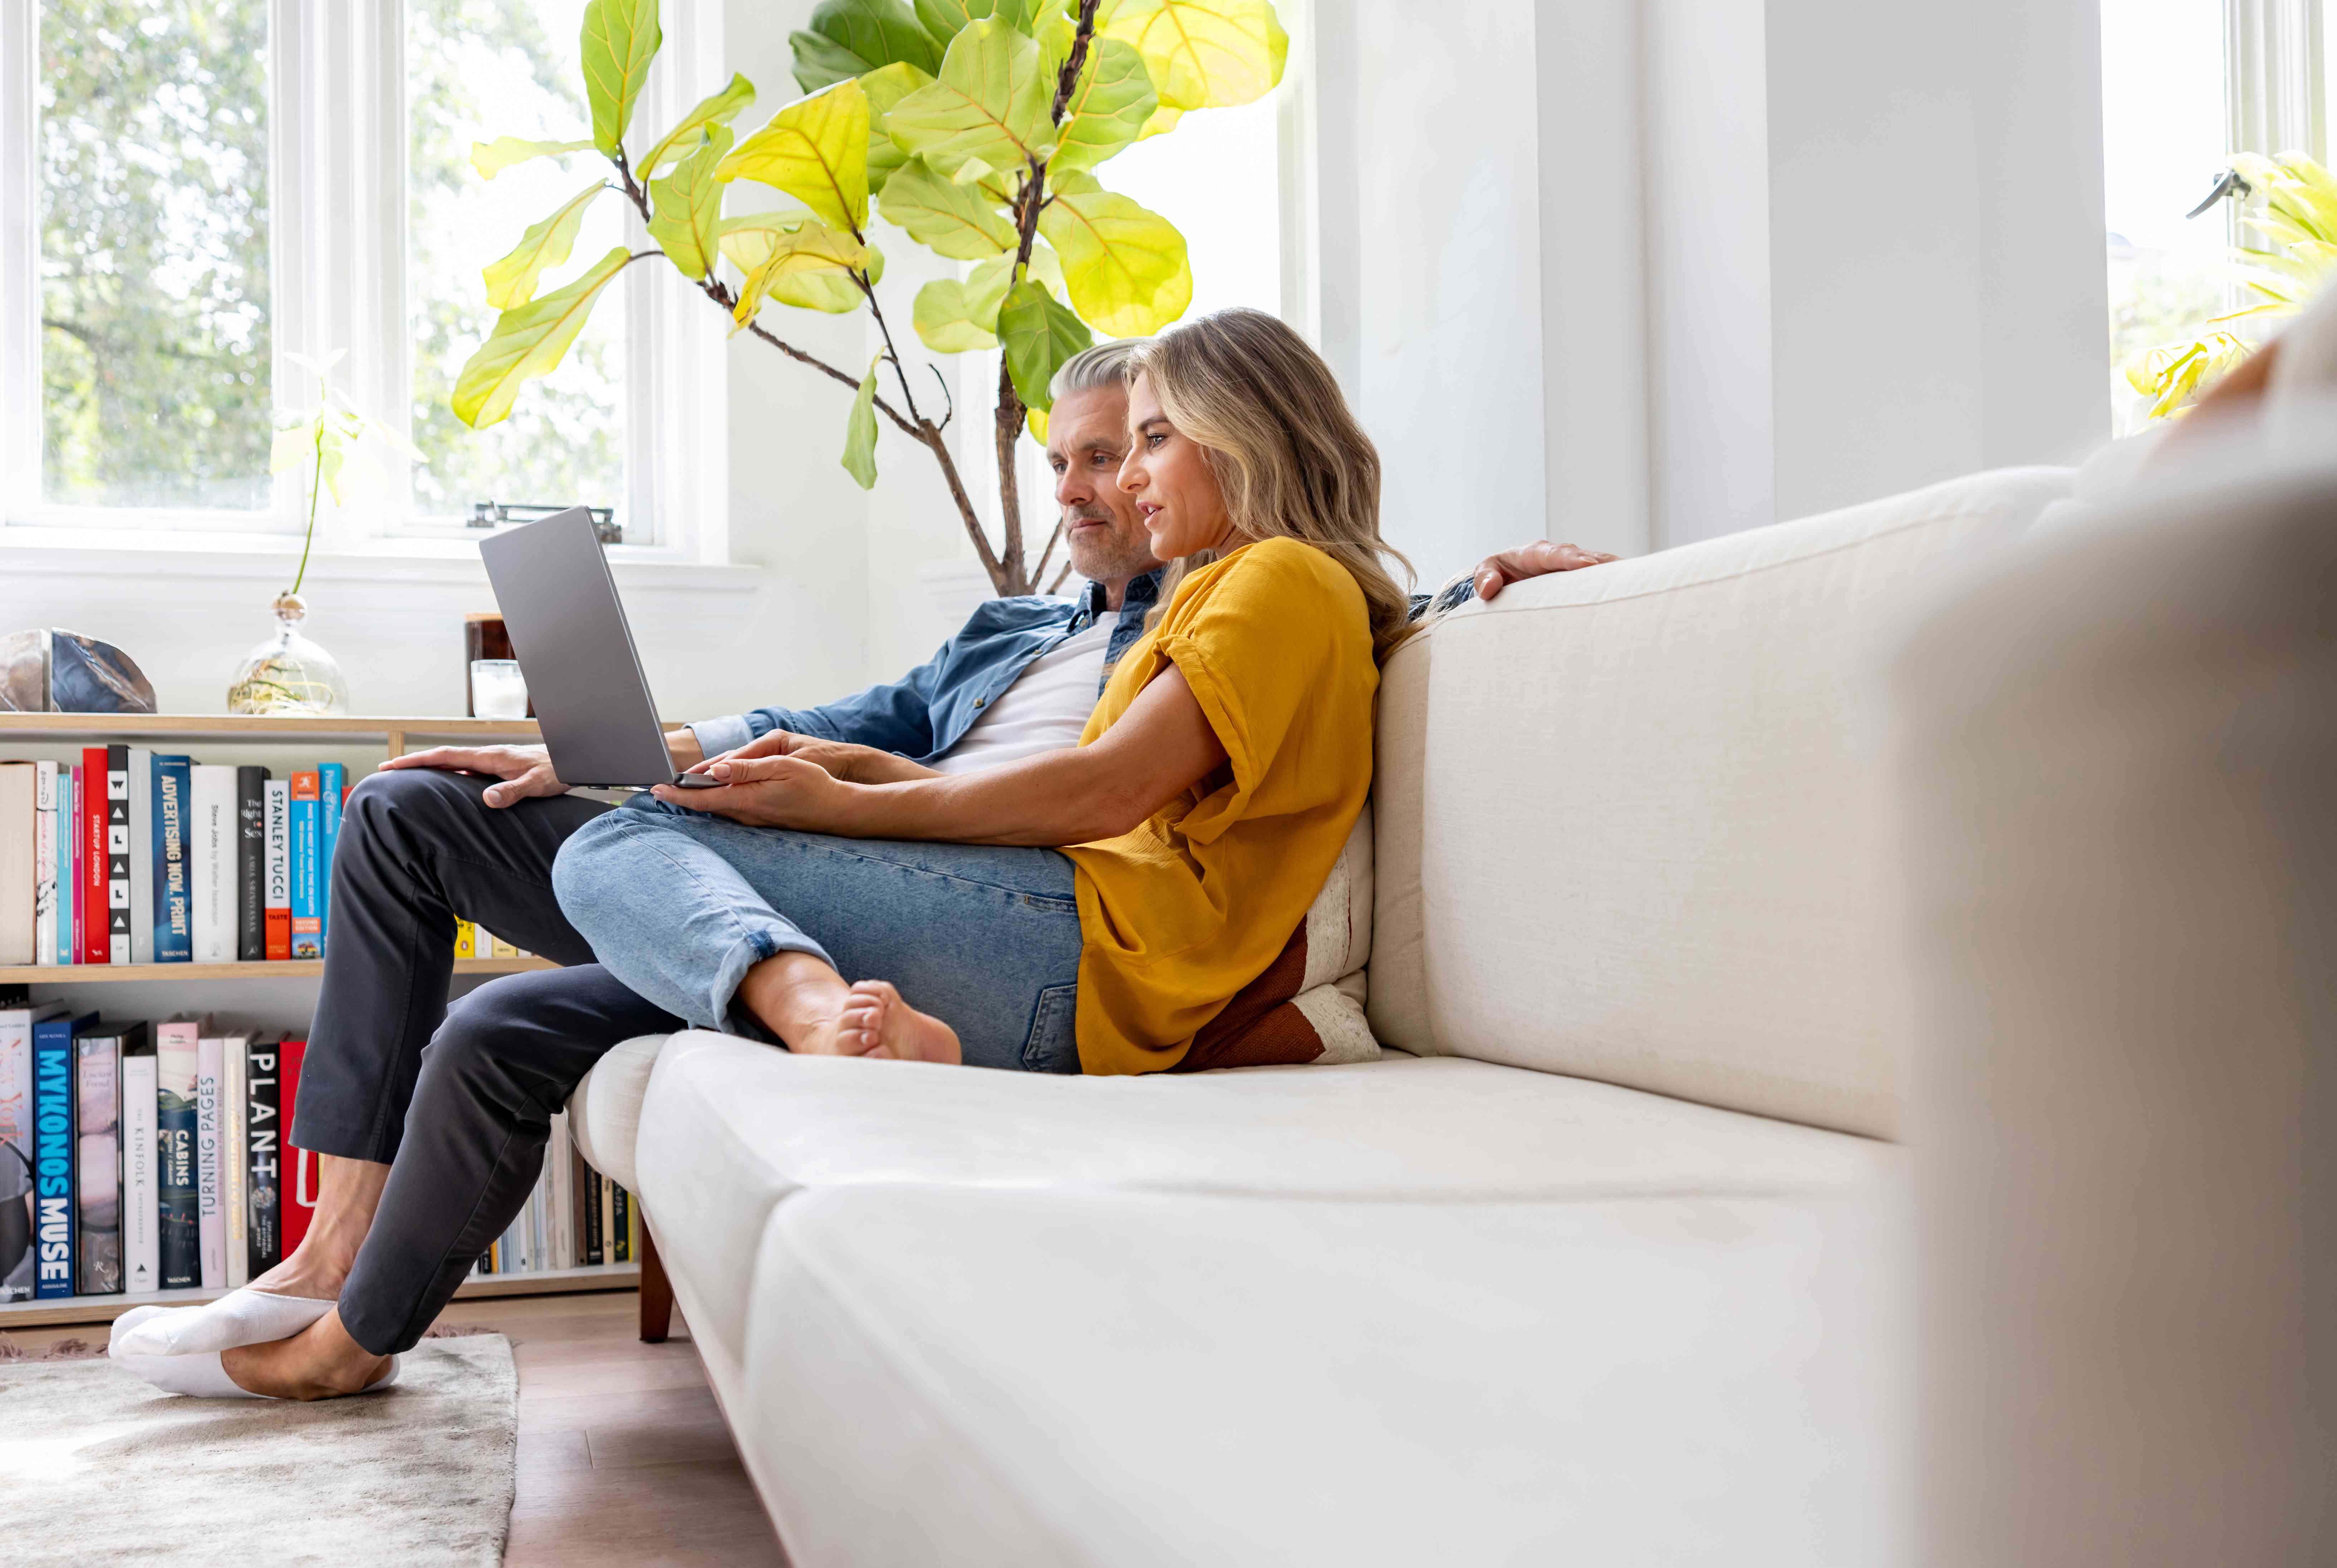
(605, 1112)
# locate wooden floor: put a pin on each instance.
(622, 1458)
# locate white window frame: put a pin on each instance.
(337, 204)
(2274, 73)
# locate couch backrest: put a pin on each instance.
(1625, 815)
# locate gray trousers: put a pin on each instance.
(457, 1102)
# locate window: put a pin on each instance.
(2185, 85)
(193, 193)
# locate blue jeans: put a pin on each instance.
(680, 905)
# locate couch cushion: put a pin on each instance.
(605, 1112)
(1625, 814)
(730, 1127)
(1081, 1378)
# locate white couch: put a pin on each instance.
(1584, 1269)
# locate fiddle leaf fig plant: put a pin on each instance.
(975, 127)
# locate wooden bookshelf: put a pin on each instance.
(60, 1309)
(392, 735)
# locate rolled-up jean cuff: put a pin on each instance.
(341, 1139)
(762, 939)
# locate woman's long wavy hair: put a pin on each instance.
(1277, 435)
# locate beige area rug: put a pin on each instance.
(98, 1467)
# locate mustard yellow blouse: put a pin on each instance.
(1276, 641)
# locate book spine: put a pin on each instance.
(174, 941)
(16, 1151)
(69, 834)
(53, 1134)
(141, 775)
(20, 832)
(622, 1203)
(591, 1216)
(555, 1171)
(467, 940)
(232, 1145)
(297, 1185)
(263, 1136)
(498, 948)
(307, 932)
(210, 1220)
(117, 855)
(210, 862)
(250, 863)
(44, 864)
(276, 895)
(91, 852)
(141, 1260)
(97, 1165)
(332, 783)
(177, 1068)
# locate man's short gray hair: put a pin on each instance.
(1104, 365)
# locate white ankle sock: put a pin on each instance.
(201, 1376)
(244, 1317)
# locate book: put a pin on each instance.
(296, 1186)
(210, 862)
(306, 929)
(174, 931)
(178, 1069)
(498, 948)
(276, 893)
(69, 834)
(117, 855)
(17, 1149)
(559, 1177)
(97, 1161)
(19, 831)
(141, 775)
(210, 1216)
(622, 1203)
(46, 946)
(251, 864)
(142, 1261)
(89, 850)
(263, 1138)
(467, 940)
(332, 787)
(52, 1142)
(592, 1195)
(232, 1168)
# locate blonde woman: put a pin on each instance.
(1088, 910)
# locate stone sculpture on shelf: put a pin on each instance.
(54, 670)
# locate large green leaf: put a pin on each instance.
(528, 342)
(1038, 334)
(1204, 53)
(1108, 107)
(860, 431)
(689, 206)
(817, 151)
(803, 247)
(1124, 266)
(852, 37)
(887, 86)
(828, 289)
(945, 19)
(511, 280)
(986, 285)
(949, 321)
(620, 38)
(682, 141)
(990, 105)
(491, 158)
(955, 219)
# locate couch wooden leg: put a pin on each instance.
(657, 1293)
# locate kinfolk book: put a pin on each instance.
(97, 1159)
(141, 1260)
(17, 1144)
(263, 1132)
(178, 1050)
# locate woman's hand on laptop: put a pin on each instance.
(842, 759)
(770, 791)
(526, 770)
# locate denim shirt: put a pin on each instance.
(927, 711)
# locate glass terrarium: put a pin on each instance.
(288, 674)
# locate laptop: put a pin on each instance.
(569, 633)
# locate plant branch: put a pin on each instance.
(949, 403)
(1069, 77)
(900, 371)
(316, 483)
(1046, 554)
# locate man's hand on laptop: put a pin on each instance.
(842, 759)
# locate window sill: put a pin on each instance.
(35, 551)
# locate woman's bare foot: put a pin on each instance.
(875, 1022)
(320, 1362)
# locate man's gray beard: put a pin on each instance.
(1126, 558)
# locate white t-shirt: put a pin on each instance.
(1044, 710)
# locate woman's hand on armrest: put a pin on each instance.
(1161, 747)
